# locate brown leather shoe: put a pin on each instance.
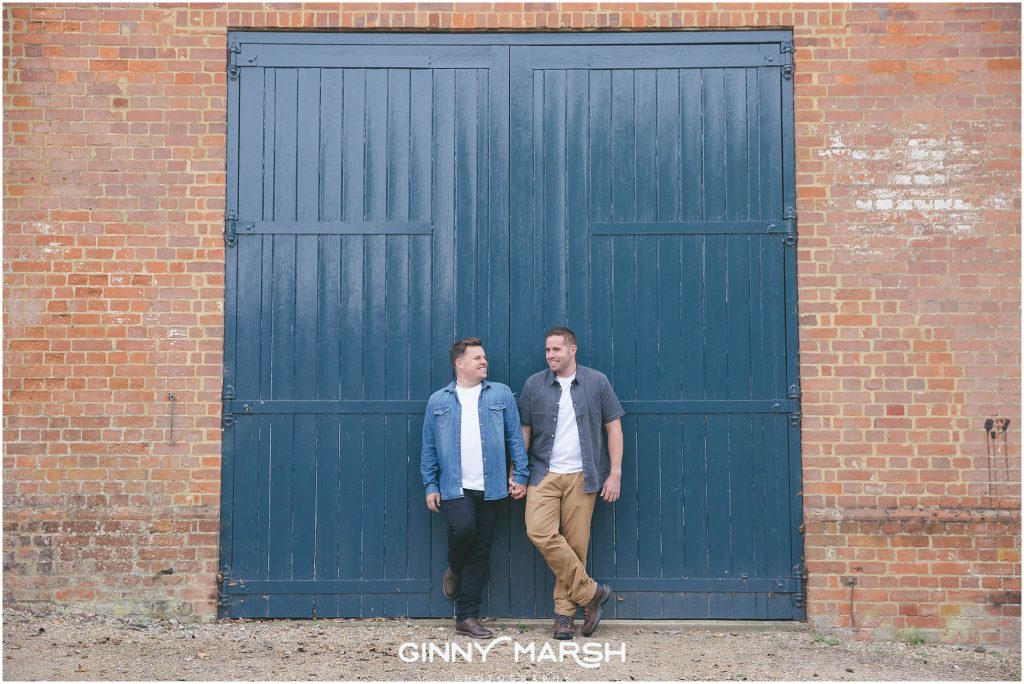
(592, 610)
(563, 627)
(450, 584)
(473, 628)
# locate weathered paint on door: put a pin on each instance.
(388, 194)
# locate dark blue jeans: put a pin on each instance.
(470, 531)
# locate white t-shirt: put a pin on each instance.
(472, 450)
(566, 455)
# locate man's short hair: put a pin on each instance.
(458, 348)
(569, 335)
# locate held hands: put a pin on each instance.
(434, 502)
(516, 491)
(610, 491)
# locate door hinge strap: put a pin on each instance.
(227, 396)
(234, 49)
(231, 228)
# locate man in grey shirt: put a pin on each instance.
(563, 410)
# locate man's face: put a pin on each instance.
(560, 355)
(471, 367)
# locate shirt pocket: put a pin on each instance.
(443, 416)
(497, 415)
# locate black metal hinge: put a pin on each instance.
(227, 417)
(794, 419)
(793, 392)
(234, 49)
(786, 46)
(231, 228)
(787, 71)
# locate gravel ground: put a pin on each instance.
(48, 646)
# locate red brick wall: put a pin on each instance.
(908, 165)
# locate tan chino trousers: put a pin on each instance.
(558, 514)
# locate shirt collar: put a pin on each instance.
(553, 379)
(454, 383)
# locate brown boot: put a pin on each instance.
(450, 584)
(473, 628)
(592, 611)
(563, 627)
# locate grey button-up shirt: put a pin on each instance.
(595, 404)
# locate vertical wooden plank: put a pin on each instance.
(466, 189)
(286, 144)
(481, 208)
(769, 93)
(577, 197)
(553, 193)
(306, 329)
(714, 185)
(242, 319)
(443, 280)
(737, 194)
(305, 454)
(353, 150)
(374, 452)
(623, 146)
(738, 381)
(350, 493)
(718, 486)
(623, 373)
(374, 342)
(525, 352)
(269, 112)
(398, 138)
(396, 507)
(670, 339)
(645, 116)
(331, 144)
(328, 452)
(669, 145)
(598, 351)
(647, 457)
(672, 510)
(753, 180)
(538, 241)
(398, 460)
(282, 386)
(691, 110)
(716, 368)
(695, 495)
(523, 343)
(417, 542)
(396, 309)
(375, 189)
(496, 170)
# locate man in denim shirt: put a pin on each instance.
(466, 429)
(565, 411)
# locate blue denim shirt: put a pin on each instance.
(441, 457)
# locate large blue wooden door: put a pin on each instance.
(360, 175)
(654, 198)
(389, 193)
